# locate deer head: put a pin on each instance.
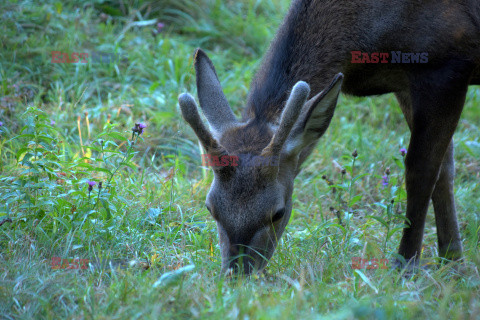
(252, 204)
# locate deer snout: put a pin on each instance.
(246, 260)
(243, 253)
(240, 260)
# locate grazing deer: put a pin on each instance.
(284, 116)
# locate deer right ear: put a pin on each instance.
(315, 118)
(213, 102)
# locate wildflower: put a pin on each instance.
(141, 126)
(100, 185)
(160, 27)
(52, 122)
(385, 180)
(385, 177)
(403, 151)
(90, 185)
(138, 129)
(355, 153)
(1, 123)
(344, 172)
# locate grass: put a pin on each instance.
(66, 124)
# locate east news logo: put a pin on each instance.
(392, 57)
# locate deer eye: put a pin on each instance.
(278, 215)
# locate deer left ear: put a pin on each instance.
(210, 94)
(315, 117)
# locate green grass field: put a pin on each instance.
(64, 124)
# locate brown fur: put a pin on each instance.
(252, 205)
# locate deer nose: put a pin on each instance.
(234, 250)
(240, 261)
(243, 265)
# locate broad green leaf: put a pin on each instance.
(379, 219)
(105, 205)
(118, 136)
(394, 230)
(20, 152)
(355, 199)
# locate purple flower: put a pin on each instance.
(160, 26)
(385, 180)
(90, 185)
(52, 122)
(403, 151)
(141, 126)
(138, 128)
(1, 123)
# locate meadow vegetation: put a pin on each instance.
(77, 183)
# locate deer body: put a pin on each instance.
(314, 45)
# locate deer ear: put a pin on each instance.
(213, 102)
(315, 117)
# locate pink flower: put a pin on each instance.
(385, 180)
(91, 184)
(138, 128)
(160, 26)
(141, 126)
(52, 122)
(403, 151)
